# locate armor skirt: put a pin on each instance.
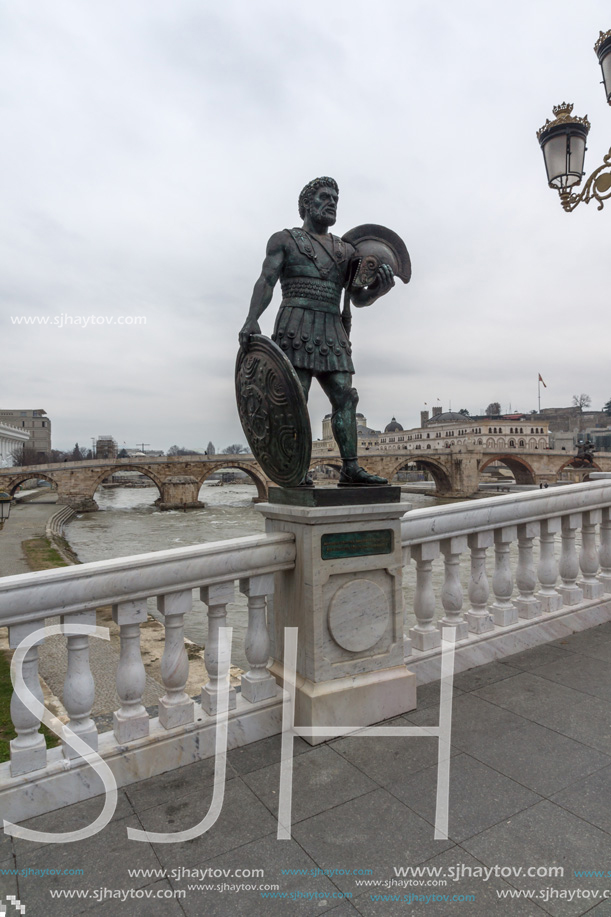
(313, 340)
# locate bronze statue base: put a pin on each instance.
(334, 496)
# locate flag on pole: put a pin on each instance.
(541, 380)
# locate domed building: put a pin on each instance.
(393, 427)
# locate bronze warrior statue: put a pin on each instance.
(314, 267)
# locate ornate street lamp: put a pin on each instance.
(5, 507)
(563, 142)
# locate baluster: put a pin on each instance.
(175, 708)
(503, 609)
(131, 721)
(29, 749)
(478, 617)
(425, 635)
(79, 687)
(526, 576)
(569, 563)
(550, 598)
(588, 557)
(604, 553)
(216, 598)
(451, 594)
(257, 684)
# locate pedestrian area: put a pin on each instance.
(530, 792)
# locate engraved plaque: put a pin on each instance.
(356, 544)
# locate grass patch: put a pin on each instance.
(6, 726)
(41, 555)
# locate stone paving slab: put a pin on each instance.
(374, 831)
(497, 797)
(104, 859)
(473, 679)
(321, 779)
(591, 678)
(546, 835)
(572, 713)
(590, 799)
(243, 819)
(473, 719)
(381, 758)
(262, 753)
(536, 656)
(149, 905)
(147, 794)
(307, 894)
(539, 758)
(454, 862)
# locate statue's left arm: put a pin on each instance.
(384, 282)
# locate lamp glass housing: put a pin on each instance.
(564, 149)
(5, 507)
(603, 51)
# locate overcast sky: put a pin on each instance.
(151, 148)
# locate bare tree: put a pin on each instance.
(210, 450)
(234, 449)
(493, 409)
(180, 450)
(582, 401)
(25, 455)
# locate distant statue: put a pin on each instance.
(314, 267)
(585, 454)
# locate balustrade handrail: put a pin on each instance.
(66, 590)
(434, 523)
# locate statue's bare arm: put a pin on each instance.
(264, 287)
(384, 282)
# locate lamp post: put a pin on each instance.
(5, 508)
(563, 143)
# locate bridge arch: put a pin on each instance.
(260, 482)
(436, 469)
(521, 469)
(108, 472)
(20, 478)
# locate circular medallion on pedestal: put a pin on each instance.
(358, 615)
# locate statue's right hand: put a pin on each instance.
(251, 326)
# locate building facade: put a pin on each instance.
(448, 430)
(11, 438)
(34, 422)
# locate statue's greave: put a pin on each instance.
(343, 424)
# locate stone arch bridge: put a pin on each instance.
(179, 478)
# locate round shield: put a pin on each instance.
(376, 245)
(273, 411)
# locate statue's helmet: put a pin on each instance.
(376, 245)
(311, 188)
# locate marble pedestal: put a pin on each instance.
(345, 597)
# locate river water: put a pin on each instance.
(129, 523)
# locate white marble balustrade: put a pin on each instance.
(490, 544)
(73, 593)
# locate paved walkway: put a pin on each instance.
(530, 789)
(27, 520)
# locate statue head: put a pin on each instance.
(307, 193)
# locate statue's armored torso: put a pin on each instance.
(309, 328)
